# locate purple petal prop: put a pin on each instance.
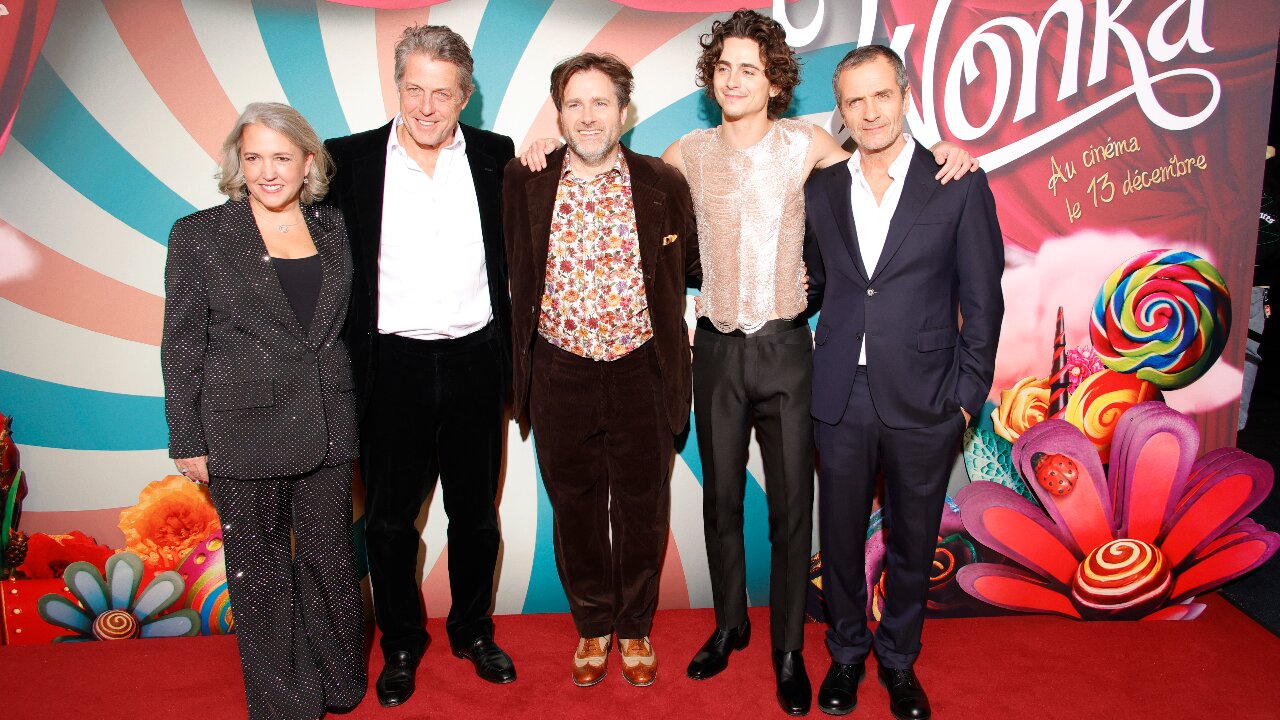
(1224, 494)
(1015, 589)
(1205, 466)
(1182, 611)
(1084, 512)
(1153, 450)
(1008, 523)
(1226, 563)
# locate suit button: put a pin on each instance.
(870, 292)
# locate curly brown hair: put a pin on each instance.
(781, 67)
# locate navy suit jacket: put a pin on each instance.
(942, 261)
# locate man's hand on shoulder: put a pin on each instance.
(955, 161)
(534, 157)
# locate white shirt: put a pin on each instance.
(871, 219)
(432, 279)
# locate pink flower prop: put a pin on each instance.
(1140, 543)
(1082, 362)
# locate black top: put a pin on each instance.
(300, 280)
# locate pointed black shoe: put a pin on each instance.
(714, 655)
(907, 700)
(395, 682)
(491, 662)
(794, 692)
(838, 694)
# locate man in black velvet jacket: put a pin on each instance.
(429, 334)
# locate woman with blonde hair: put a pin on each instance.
(260, 405)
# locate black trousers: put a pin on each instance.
(298, 613)
(763, 380)
(435, 411)
(604, 450)
(916, 464)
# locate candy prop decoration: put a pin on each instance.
(205, 573)
(1059, 381)
(1177, 528)
(1055, 473)
(1163, 316)
(1125, 579)
(1097, 404)
(111, 608)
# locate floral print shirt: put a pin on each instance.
(594, 304)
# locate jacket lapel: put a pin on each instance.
(919, 187)
(242, 244)
(328, 241)
(540, 196)
(486, 176)
(838, 189)
(647, 199)
(369, 173)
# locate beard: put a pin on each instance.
(592, 157)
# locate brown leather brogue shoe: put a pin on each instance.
(591, 661)
(639, 663)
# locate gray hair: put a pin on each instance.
(439, 43)
(289, 123)
(864, 55)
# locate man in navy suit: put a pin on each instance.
(909, 274)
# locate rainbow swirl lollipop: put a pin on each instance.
(1163, 316)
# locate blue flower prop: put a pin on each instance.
(112, 609)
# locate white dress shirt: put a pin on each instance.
(432, 279)
(872, 219)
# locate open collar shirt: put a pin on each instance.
(871, 219)
(432, 279)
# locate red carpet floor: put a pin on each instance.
(1222, 665)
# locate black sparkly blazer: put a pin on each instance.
(243, 383)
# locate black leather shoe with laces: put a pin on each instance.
(907, 700)
(838, 694)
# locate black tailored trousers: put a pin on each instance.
(298, 613)
(761, 380)
(436, 411)
(604, 449)
(916, 464)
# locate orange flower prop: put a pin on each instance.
(172, 516)
(1021, 406)
(49, 555)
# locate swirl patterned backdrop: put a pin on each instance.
(122, 105)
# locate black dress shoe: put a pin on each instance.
(491, 662)
(794, 692)
(838, 694)
(395, 682)
(907, 700)
(714, 654)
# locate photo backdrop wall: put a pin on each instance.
(1109, 129)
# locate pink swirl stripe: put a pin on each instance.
(68, 291)
(160, 39)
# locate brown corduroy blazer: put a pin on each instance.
(668, 258)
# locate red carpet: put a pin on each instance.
(1222, 665)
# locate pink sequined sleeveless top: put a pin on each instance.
(750, 209)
